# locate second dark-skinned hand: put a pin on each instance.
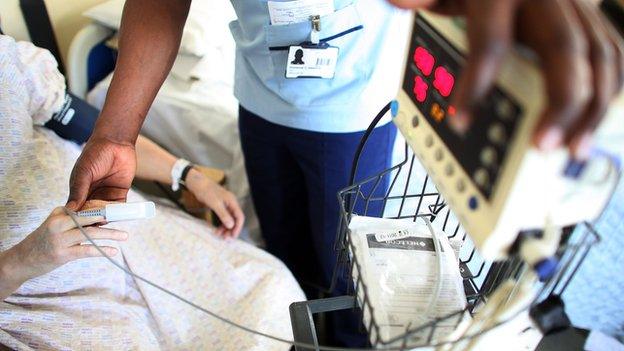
(104, 171)
(580, 53)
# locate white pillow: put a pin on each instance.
(204, 27)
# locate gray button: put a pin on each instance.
(415, 121)
(438, 154)
(481, 177)
(449, 169)
(488, 156)
(504, 109)
(429, 141)
(461, 186)
(497, 134)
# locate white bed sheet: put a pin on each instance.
(91, 305)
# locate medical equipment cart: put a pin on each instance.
(411, 195)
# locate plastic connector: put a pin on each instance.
(394, 108)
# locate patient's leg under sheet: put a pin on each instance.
(90, 304)
(230, 278)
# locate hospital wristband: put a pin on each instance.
(178, 173)
(185, 173)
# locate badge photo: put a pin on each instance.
(311, 62)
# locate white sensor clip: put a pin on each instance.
(122, 211)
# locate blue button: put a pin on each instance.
(473, 203)
(574, 168)
(546, 268)
(394, 108)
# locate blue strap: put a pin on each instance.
(324, 40)
(40, 28)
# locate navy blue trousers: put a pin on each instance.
(295, 176)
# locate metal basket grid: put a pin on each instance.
(411, 195)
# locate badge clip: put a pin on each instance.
(316, 29)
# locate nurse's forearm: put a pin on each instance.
(153, 162)
(149, 40)
(10, 279)
(441, 6)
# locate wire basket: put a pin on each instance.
(410, 194)
(412, 197)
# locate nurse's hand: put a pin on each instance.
(580, 52)
(218, 199)
(56, 242)
(104, 171)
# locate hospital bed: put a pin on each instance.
(89, 304)
(178, 98)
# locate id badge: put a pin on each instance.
(311, 62)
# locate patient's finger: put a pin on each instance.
(63, 222)
(239, 216)
(84, 251)
(75, 236)
(219, 231)
(60, 210)
(230, 235)
(224, 215)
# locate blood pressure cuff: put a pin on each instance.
(75, 121)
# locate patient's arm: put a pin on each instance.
(154, 163)
(56, 242)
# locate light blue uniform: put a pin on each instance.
(371, 37)
(299, 135)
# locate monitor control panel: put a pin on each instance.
(430, 77)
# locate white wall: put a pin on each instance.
(11, 19)
(65, 16)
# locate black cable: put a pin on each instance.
(369, 131)
(360, 148)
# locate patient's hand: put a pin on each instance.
(56, 242)
(221, 201)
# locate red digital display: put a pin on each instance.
(443, 81)
(420, 89)
(451, 110)
(424, 60)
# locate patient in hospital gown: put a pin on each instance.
(89, 304)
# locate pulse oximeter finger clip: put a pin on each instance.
(122, 211)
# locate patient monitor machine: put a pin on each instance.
(492, 177)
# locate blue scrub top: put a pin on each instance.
(370, 35)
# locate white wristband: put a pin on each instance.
(176, 173)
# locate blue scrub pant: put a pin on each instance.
(295, 176)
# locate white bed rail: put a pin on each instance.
(78, 56)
